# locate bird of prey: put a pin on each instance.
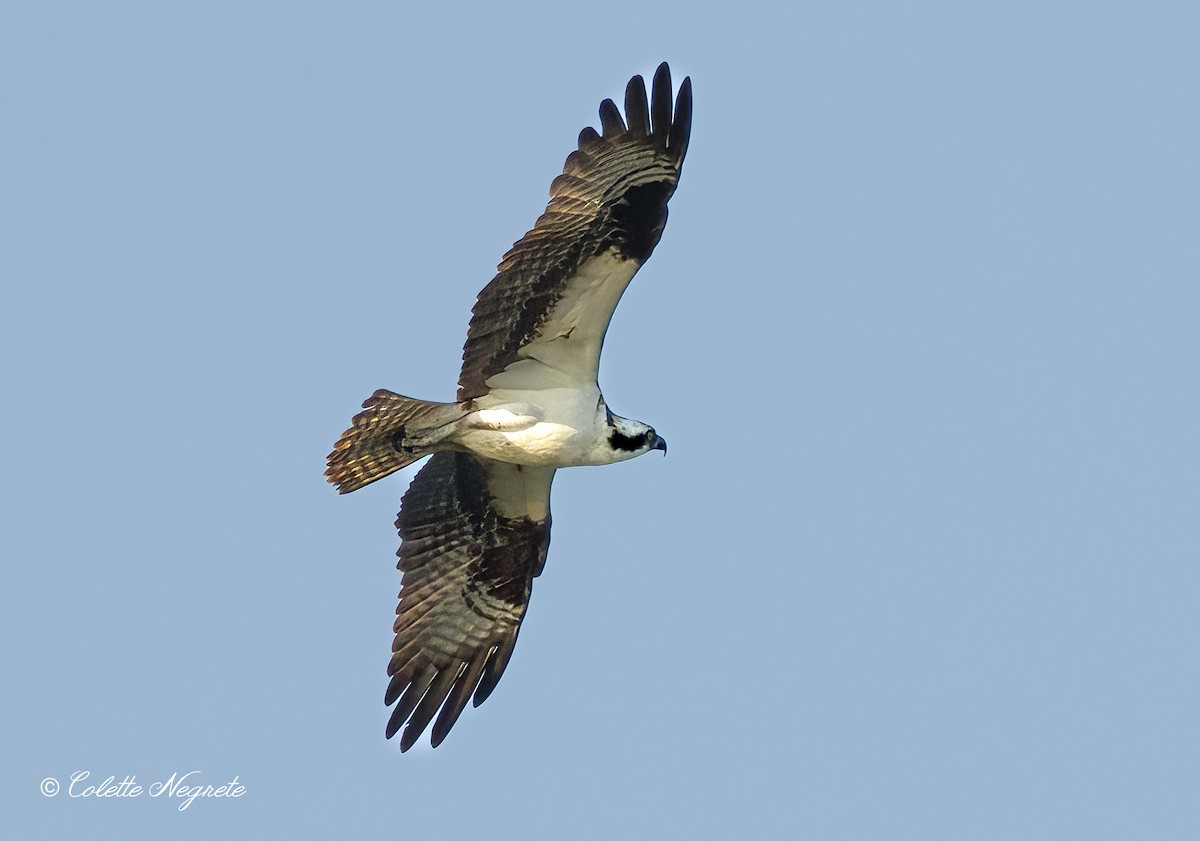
(475, 522)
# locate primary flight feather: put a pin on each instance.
(475, 522)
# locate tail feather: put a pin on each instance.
(377, 442)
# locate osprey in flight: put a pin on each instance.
(475, 522)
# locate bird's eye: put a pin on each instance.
(650, 436)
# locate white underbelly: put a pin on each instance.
(544, 444)
(550, 427)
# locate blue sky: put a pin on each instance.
(921, 563)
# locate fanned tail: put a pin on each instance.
(383, 438)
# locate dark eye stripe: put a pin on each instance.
(629, 443)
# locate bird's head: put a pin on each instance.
(628, 438)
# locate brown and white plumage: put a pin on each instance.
(606, 214)
(475, 522)
(475, 533)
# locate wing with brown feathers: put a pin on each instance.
(541, 321)
(475, 534)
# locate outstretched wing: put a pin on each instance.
(475, 534)
(540, 323)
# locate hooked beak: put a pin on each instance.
(660, 443)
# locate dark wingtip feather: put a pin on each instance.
(456, 701)
(393, 726)
(588, 136)
(438, 734)
(395, 686)
(610, 119)
(637, 107)
(493, 671)
(681, 127)
(413, 692)
(409, 738)
(423, 714)
(660, 105)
